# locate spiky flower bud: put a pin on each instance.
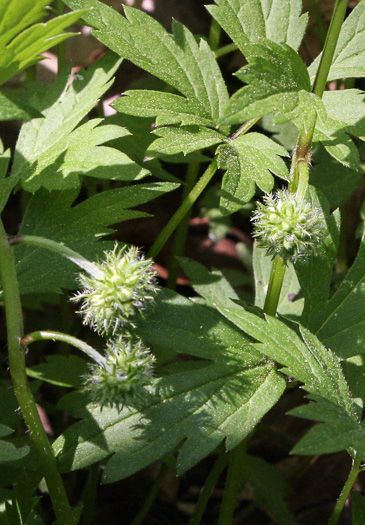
(128, 366)
(288, 227)
(119, 288)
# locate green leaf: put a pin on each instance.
(50, 152)
(61, 371)
(185, 139)
(270, 488)
(306, 360)
(315, 270)
(290, 303)
(358, 509)
(348, 60)
(337, 431)
(340, 322)
(52, 215)
(249, 160)
(176, 59)
(249, 21)
(275, 75)
(6, 183)
(8, 451)
(336, 182)
(20, 45)
(199, 406)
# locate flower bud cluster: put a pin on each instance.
(112, 295)
(287, 226)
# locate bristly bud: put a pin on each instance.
(128, 367)
(121, 287)
(288, 227)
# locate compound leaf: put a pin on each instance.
(249, 20)
(185, 139)
(197, 406)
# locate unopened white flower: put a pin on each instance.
(119, 288)
(127, 368)
(288, 227)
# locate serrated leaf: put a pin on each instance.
(348, 60)
(199, 407)
(79, 227)
(8, 451)
(249, 160)
(340, 322)
(290, 302)
(275, 75)
(184, 139)
(61, 371)
(337, 431)
(249, 20)
(306, 360)
(20, 45)
(315, 270)
(52, 152)
(176, 59)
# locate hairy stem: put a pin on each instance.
(44, 335)
(209, 485)
(183, 209)
(20, 382)
(182, 230)
(152, 495)
(275, 285)
(232, 483)
(345, 491)
(338, 16)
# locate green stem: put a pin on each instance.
(342, 262)
(245, 127)
(183, 209)
(44, 335)
(345, 491)
(89, 494)
(214, 34)
(209, 485)
(20, 382)
(152, 495)
(182, 230)
(61, 47)
(337, 19)
(59, 248)
(232, 484)
(229, 48)
(275, 285)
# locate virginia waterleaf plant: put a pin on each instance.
(283, 142)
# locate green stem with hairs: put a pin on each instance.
(209, 485)
(275, 284)
(182, 229)
(185, 206)
(59, 248)
(233, 482)
(14, 324)
(345, 491)
(47, 335)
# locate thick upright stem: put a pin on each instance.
(337, 19)
(233, 482)
(21, 388)
(345, 491)
(183, 209)
(275, 285)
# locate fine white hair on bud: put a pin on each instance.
(127, 368)
(287, 226)
(120, 288)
